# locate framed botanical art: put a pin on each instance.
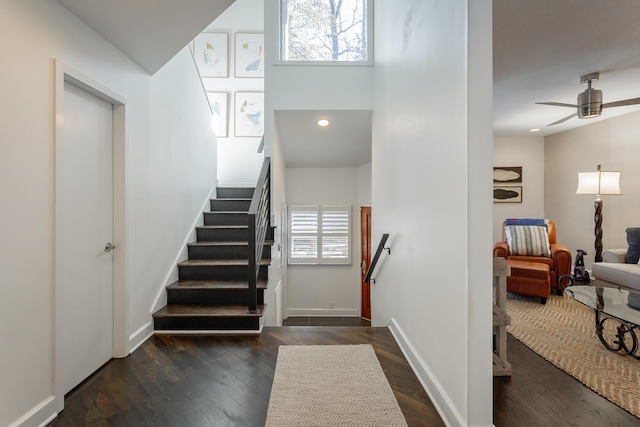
(211, 52)
(507, 194)
(249, 113)
(249, 54)
(219, 102)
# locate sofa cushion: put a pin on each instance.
(530, 240)
(633, 239)
(539, 259)
(627, 275)
(614, 255)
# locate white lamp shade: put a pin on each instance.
(599, 183)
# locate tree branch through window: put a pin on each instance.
(324, 30)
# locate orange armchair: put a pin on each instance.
(559, 263)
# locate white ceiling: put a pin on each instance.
(542, 47)
(346, 142)
(150, 32)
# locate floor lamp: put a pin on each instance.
(599, 183)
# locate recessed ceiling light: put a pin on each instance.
(535, 130)
(323, 122)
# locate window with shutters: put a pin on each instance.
(319, 234)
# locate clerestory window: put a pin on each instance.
(333, 31)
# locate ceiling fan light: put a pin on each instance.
(590, 103)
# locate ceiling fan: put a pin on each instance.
(590, 101)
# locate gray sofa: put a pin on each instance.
(620, 266)
(615, 271)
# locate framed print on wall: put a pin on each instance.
(249, 113)
(507, 194)
(249, 53)
(211, 52)
(219, 102)
(507, 174)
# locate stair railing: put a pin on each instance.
(259, 223)
(381, 247)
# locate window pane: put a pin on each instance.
(335, 222)
(335, 247)
(304, 222)
(324, 30)
(304, 247)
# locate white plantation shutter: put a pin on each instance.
(335, 233)
(319, 234)
(304, 233)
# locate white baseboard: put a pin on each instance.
(39, 416)
(434, 389)
(140, 336)
(322, 312)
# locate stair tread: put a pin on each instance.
(232, 198)
(214, 284)
(224, 243)
(181, 310)
(219, 227)
(228, 212)
(220, 262)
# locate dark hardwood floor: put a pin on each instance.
(326, 321)
(218, 381)
(539, 394)
(226, 381)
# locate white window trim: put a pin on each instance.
(370, 44)
(319, 260)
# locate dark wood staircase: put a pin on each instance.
(212, 291)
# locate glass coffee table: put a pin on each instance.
(617, 317)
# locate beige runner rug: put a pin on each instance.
(331, 385)
(563, 332)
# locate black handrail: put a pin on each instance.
(259, 222)
(376, 256)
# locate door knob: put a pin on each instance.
(109, 247)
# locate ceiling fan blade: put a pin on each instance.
(563, 119)
(632, 101)
(557, 104)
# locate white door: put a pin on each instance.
(85, 194)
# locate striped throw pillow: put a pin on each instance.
(531, 240)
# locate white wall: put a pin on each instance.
(278, 268)
(432, 157)
(312, 289)
(527, 152)
(170, 170)
(612, 143)
(431, 85)
(307, 87)
(239, 162)
(364, 185)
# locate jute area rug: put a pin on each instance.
(331, 385)
(563, 332)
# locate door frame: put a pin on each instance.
(365, 256)
(284, 259)
(63, 73)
